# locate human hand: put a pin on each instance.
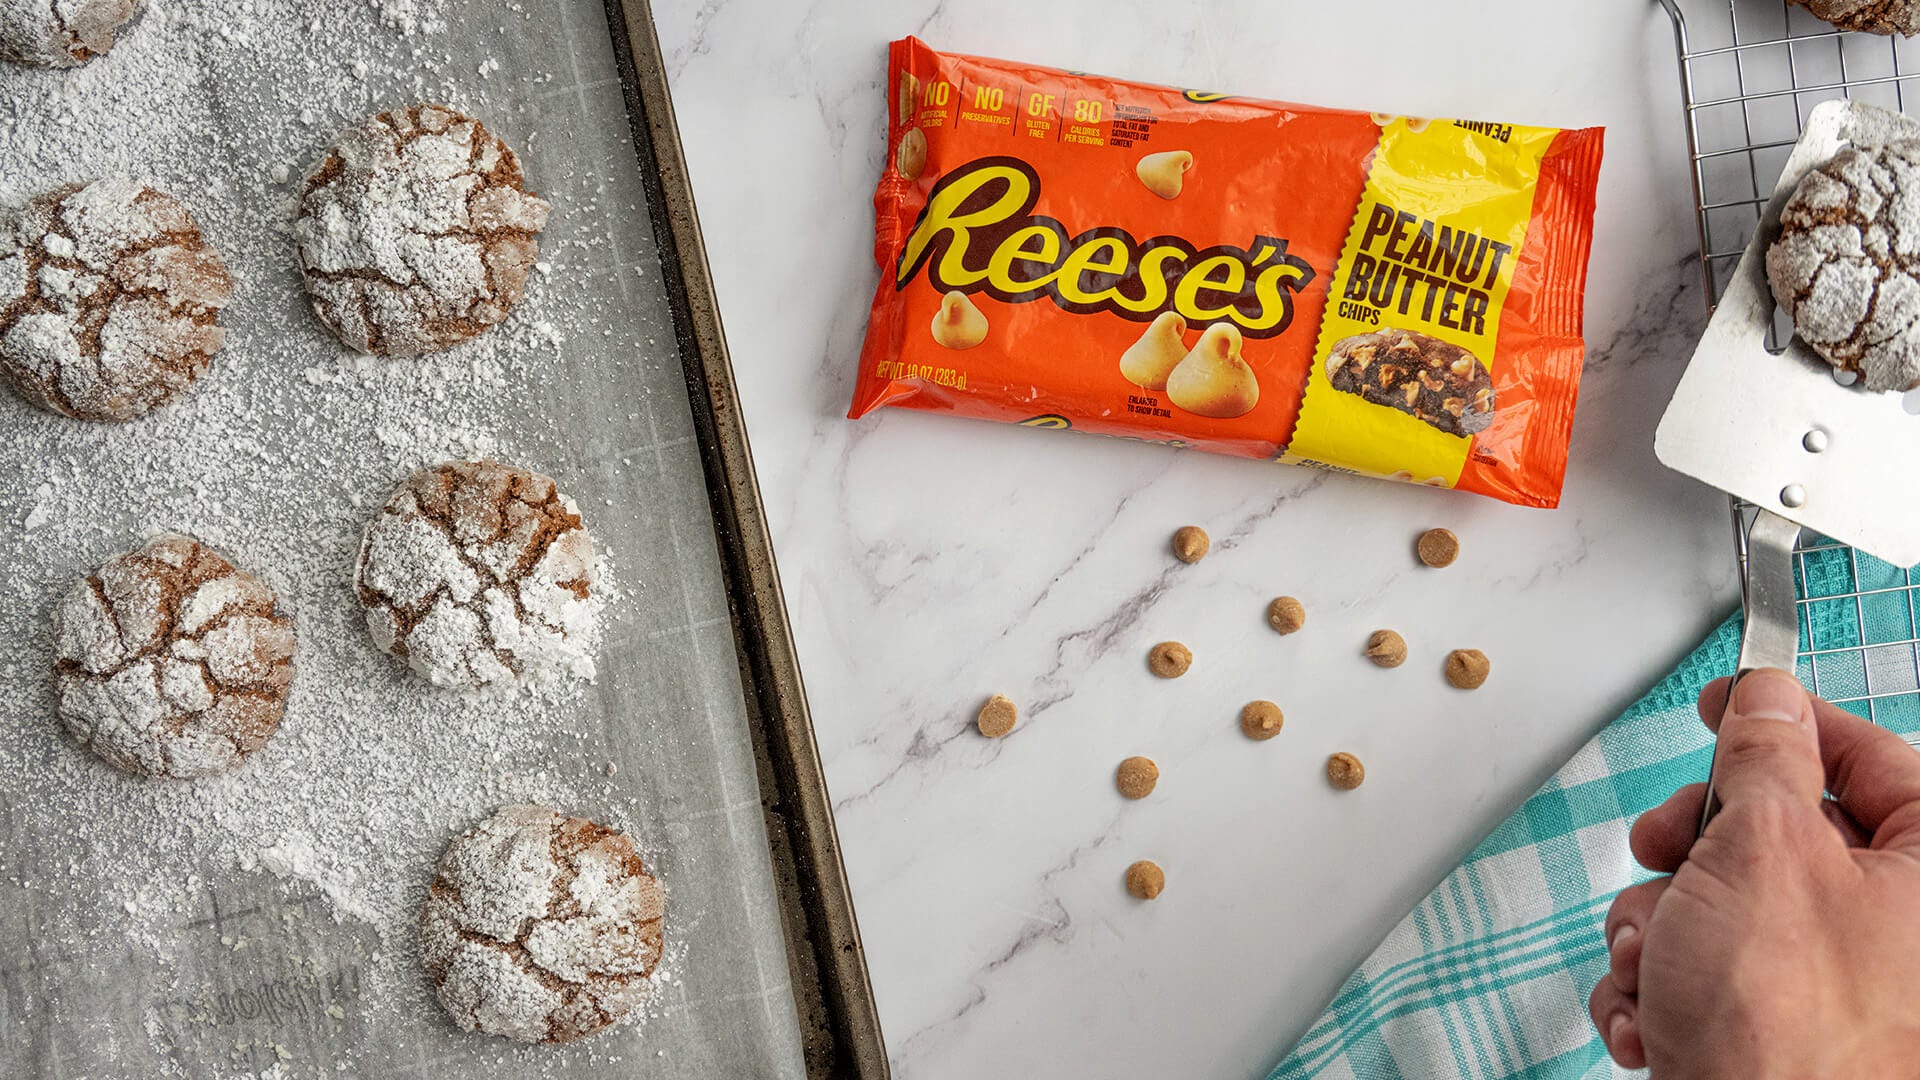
(1787, 940)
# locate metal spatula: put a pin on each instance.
(1782, 432)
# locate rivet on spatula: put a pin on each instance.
(1815, 441)
(1793, 496)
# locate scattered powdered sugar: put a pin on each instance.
(59, 33)
(278, 458)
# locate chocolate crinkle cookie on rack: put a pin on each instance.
(170, 661)
(109, 300)
(480, 574)
(60, 33)
(1872, 16)
(541, 928)
(416, 232)
(1846, 267)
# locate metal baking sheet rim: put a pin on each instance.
(840, 1026)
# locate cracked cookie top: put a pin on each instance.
(1846, 267)
(541, 928)
(415, 232)
(109, 300)
(481, 574)
(60, 33)
(169, 661)
(1872, 16)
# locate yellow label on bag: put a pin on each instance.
(1415, 304)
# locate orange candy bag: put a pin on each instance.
(1381, 295)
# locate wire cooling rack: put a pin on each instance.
(1750, 72)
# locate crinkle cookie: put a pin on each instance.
(1872, 16)
(1846, 267)
(109, 300)
(541, 928)
(170, 661)
(481, 574)
(415, 232)
(60, 33)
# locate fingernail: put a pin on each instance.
(1770, 695)
(1616, 1029)
(1622, 934)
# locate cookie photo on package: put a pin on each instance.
(1382, 295)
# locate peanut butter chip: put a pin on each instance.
(1286, 614)
(1190, 543)
(1468, 668)
(1438, 547)
(1136, 777)
(1387, 649)
(1261, 720)
(1145, 879)
(1169, 659)
(1345, 772)
(997, 717)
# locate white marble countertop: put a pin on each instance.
(929, 562)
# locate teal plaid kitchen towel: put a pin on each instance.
(1488, 977)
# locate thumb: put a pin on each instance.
(1769, 745)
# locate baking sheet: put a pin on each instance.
(261, 924)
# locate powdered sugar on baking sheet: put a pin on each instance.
(278, 458)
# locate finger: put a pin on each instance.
(1662, 836)
(1871, 771)
(1713, 702)
(1850, 831)
(1626, 925)
(1769, 748)
(1616, 1016)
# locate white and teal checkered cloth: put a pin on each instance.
(1489, 976)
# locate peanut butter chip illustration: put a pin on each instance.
(1261, 720)
(1149, 361)
(1286, 614)
(1468, 668)
(1164, 173)
(958, 324)
(909, 93)
(1145, 879)
(997, 717)
(1213, 380)
(911, 158)
(1438, 548)
(1345, 772)
(1387, 649)
(1169, 659)
(1136, 776)
(1190, 543)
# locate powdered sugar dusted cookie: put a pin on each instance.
(109, 300)
(170, 661)
(541, 928)
(60, 33)
(415, 232)
(481, 574)
(1873, 16)
(1846, 267)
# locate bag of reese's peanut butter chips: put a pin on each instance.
(1376, 294)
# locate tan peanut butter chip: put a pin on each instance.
(1286, 614)
(1387, 649)
(1345, 772)
(1149, 361)
(1213, 380)
(1190, 543)
(1136, 777)
(1164, 173)
(958, 324)
(911, 158)
(1261, 720)
(1145, 879)
(997, 717)
(1438, 548)
(1467, 668)
(1169, 659)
